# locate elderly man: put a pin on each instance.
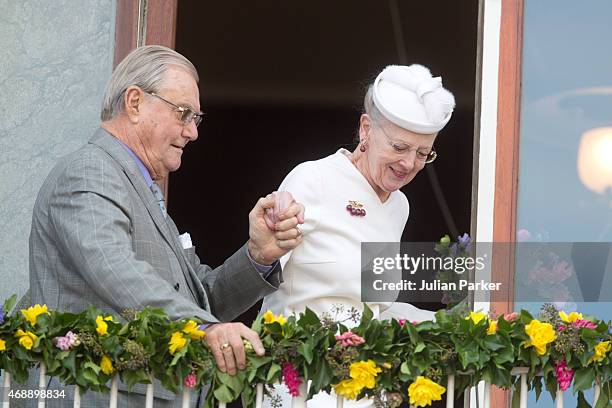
(101, 235)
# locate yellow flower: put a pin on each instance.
(192, 329)
(348, 389)
(26, 339)
(476, 317)
(106, 365)
(2, 345)
(31, 313)
(423, 391)
(270, 318)
(364, 373)
(573, 317)
(492, 327)
(177, 342)
(540, 335)
(101, 325)
(601, 349)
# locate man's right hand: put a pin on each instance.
(226, 343)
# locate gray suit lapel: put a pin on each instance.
(109, 144)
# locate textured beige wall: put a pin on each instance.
(56, 57)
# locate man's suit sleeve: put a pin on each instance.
(236, 285)
(90, 213)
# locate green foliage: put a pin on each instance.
(471, 348)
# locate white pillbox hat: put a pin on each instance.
(411, 98)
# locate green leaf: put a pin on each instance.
(602, 402)
(321, 378)
(419, 347)
(306, 349)
(223, 394)
(235, 383)
(274, 369)
(92, 366)
(583, 379)
(9, 303)
(91, 376)
(308, 318)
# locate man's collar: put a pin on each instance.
(139, 163)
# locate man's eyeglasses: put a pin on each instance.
(401, 148)
(187, 114)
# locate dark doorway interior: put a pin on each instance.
(283, 82)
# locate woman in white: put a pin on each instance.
(354, 197)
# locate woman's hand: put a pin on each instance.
(273, 227)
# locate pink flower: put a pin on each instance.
(523, 235)
(510, 317)
(190, 380)
(564, 374)
(584, 323)
(552, 272)
(291, 378)
(66, 342)
(349, 339)
(401, 322)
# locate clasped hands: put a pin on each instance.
(273, 232)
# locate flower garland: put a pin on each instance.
(390, 361)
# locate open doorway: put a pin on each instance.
(283, 82)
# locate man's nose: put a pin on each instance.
(190, 131)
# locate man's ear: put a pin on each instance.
(133, 98)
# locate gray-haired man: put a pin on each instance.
(101, 235)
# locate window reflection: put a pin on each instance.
(565, 174)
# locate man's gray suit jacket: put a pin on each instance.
(99, 238)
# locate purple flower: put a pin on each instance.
(465, 242)
(1, 314)
(610, 330)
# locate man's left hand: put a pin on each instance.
(266, 245)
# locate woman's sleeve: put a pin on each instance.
(305, 184)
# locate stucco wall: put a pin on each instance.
(56, 58)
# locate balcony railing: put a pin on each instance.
(375, 358)
(297, 402)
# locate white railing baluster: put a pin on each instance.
(339, 401)
(186, 397)
(559, 399)
(77, 397)
(523, 401)
(149, 394)
(114, 392)
(42, 384)
(6, 387)
(486, 395)
(596, 392)
(450, 391)
(300, 400)
(259, 396)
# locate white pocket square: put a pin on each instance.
(185, 240)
